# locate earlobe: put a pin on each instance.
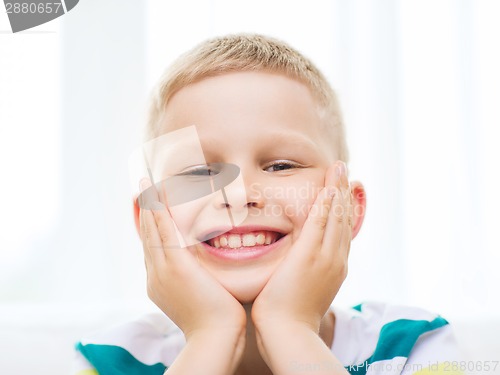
(358, 206)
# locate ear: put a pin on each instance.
(358, 206)
(136, 210)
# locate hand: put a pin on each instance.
(306, 282)
(196, 302)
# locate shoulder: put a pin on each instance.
(145, 346)
(404, 337)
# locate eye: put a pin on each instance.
(281, 165)
(200, 170)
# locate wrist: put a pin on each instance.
(283, 345)
(222, 348)
(235, 336)
(207, 329)
(211, 352)
(270, 335)
(285, 326)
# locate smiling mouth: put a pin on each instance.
(244, 240)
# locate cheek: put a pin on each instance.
(196, 217)
(298, 200)
(184, 215)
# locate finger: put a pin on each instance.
(340, 255)
(313, 230)
(150, 200)
(346, 236)
(167, 231)
(148, 195)
(153, 249)
(339, 213)
(142, 233)
(345, 244)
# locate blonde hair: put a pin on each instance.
(246, 52)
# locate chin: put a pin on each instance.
(245, 296)
(245, 281)
(246, 288)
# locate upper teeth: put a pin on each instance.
(235, 240)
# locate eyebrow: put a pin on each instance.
(179, 152)
(288, 136)
(294, 138)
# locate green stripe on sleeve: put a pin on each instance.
(397, 339)
(114, 360)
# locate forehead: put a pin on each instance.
(256, 101)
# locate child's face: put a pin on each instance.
(269, 126)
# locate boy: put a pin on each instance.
(248, 269)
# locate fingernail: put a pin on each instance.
(331, 191)
(341, 168)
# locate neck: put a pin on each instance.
(252, 362)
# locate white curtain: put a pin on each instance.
(419, 84)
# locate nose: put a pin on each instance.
(241, 194)
(236, 197)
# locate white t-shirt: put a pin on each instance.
(370, 338)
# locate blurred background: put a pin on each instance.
(419, 84)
